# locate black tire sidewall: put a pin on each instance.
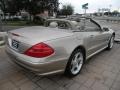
(68, 69)
(109, 44)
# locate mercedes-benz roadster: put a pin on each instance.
(62, 45)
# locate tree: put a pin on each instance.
(67, 10)
(3, 6)
(11, 6)
(14, 6)
(38, 6)
(32, 6)
(108, 13)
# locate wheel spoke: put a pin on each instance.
(73, 68)
(76, 57)
(80, 59)
(111, 42)
(76, 63)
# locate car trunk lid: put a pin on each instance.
(29, 36)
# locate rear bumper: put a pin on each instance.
(40, 68)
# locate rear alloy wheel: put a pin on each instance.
(111, 43)
(75, 63)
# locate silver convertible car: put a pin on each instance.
(59, 46)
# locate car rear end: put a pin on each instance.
(42, 57)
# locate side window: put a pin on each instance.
(90, 26)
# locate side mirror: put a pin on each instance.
(105, 29)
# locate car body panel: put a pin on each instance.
(36, 35)
(64, 42)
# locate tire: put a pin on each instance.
(111, 43)
(75, 63)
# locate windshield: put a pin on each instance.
(84, 24)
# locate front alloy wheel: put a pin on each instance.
(75, 63)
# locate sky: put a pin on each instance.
(94, 5)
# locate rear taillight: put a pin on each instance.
(39, 51)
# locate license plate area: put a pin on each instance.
(15, 44)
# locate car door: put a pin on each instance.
(97, 39)
(94, 38)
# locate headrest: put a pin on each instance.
(74, 23)
(53, 24)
